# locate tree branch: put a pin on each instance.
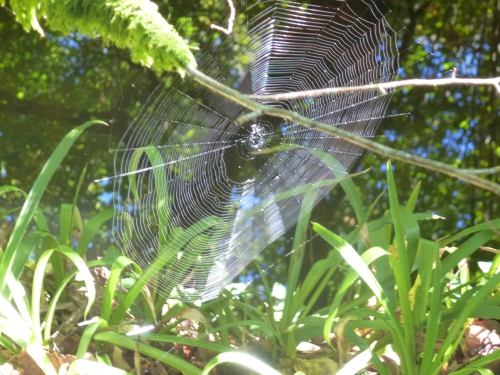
(381, 87)
(260, 109)
(230, 22)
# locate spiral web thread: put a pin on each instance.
(198, 196)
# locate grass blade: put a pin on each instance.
(444, 353)
(90, 229)
(465, 249)
(160, 355)
(296, 259)
(19, 330)
(11, 255)
(359, 264)
(242, 359)
(49, 317)
(117, 268)
(87, 336)
(179, 239)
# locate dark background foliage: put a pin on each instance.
(52, 84)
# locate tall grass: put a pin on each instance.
(420, 299)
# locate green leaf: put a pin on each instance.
(12, 256)
(299, 241)
(87, 336)
(117, 268)
(20, 331)
(405, 344)
(160, 355)
(179, 239)
(90, 229)
(457, 328)
(241, 359)
(412, 200)
(49, 318)
(197, 343)
(465, 249)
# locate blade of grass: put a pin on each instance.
(179, 239)
(434, 316)
(11, 255)
(49, 317)
(270, 331)
(296, 259)
(117, 268)
(160, 355)
(412, 200)
(428, 250)
(474, 229)
(478, 363)
(444, 354)
(9, 345)
(321, 272)
(267, 291)
(162, 196)
(412, 231)
(465, 249)
(86, 337)
(242, 359)
(19, 330)
(197, 343)
(356, 340)
(77, 219)
(90, 229)
(40, 274)
(358, 263)
(403, 267)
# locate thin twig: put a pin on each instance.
(244, 100)
(381, 87)
(493, 170)
(230, 22)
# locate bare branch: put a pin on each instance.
(381, 87)
(260, 109)
(230, 22)
(493, 170)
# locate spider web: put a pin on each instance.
(197, 196)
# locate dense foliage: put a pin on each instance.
(52, 84)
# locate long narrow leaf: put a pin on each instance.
(90, 228)
(11, 255)
(18, 329)
(296, 259)
(49, 317)
(457, 326)
(358, 263)
(117, 268)
(242, 359)
(180, 238)
(160, 355)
